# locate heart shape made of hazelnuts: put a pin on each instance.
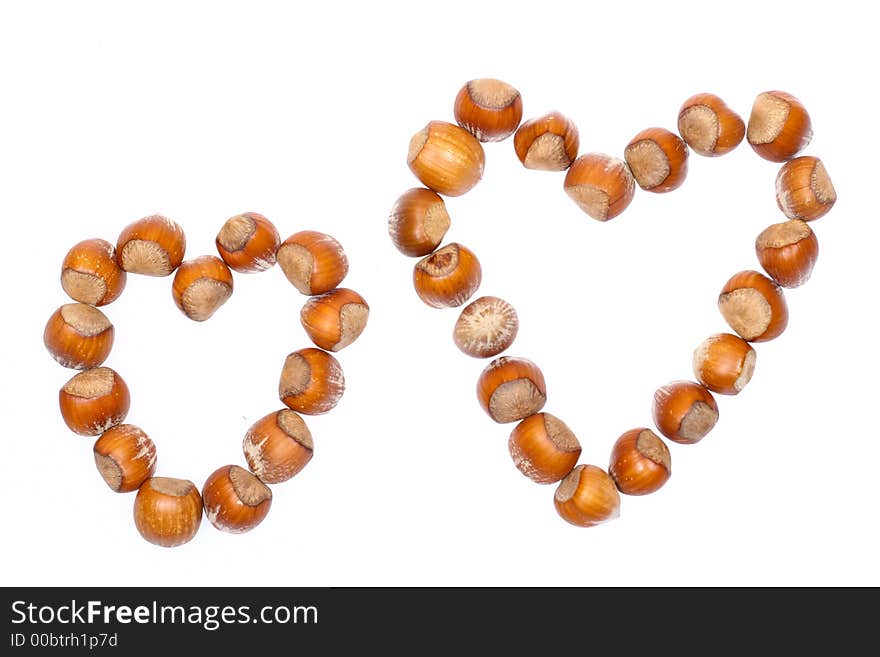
(95, 402)
(448, 159)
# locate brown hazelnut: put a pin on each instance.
(489, 109)
(418, 222)
(486, 327)
(78, 336)
(547, 143)
(313, 262)
(248, 243)
(543, 448)
(753, 306)
(90, 273)
(788, 251)
(640, 462)
(125, 457)
(152, 246)
(684, 411)
(168, 512)
(446, 158)
(724, 363)
(311, 381)
(803, 189)
(779, 127)
(601, 185)
(235, 500)
(510, 389)
(94, 401)
(201, 286)
(278, 446)
(587, 497)
(709, 126)
(448, 277)
(657, 159)
(334, 320)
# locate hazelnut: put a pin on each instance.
(248, 242)
(548, 143)
(235, 500)
(278, 446)
(201, 286)
(657, 159)
(152, 246)
(543, 448)
(587, 497)
(787, 252)
(78, 336)
(640, 462)
(803, 189)
(446, 158)
(779, 127)
(724, 363)
(125, 457)
(90, 273)
(753, 306)
(334, 320)
(486, 327)
(510, 389)
(418, 222)
(313, 262)
(168, 512)
(601, 185)
(709, 126)
(684, 411)
(311, 382)
(93, 401)
(488, 109)
(448, 277)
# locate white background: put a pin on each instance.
(112, 111)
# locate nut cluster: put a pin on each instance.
(449, 160)
(95, 402)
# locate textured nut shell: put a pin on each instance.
(313, 262)
(312, 381)
(543, 448)
(78, 336)
(489, 109)
(90, 273)
(152, 246)
(753, 306)
(724, 363)
(640, 462)
(709, 126)
(248, 242)
(657, 159)
(486, 327)
(201, 286)
(336, 319)
(278, 446)
(788, 251)
(779, 126)
(167, 512)
(804, 189)
(93, 401)
(510, 389)
(684, 411)
(446, 158)
(601, 185)
(587, 497)
(125, 457)
(448, 277)
(418, 222)
(235, 500)
(547, 143)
